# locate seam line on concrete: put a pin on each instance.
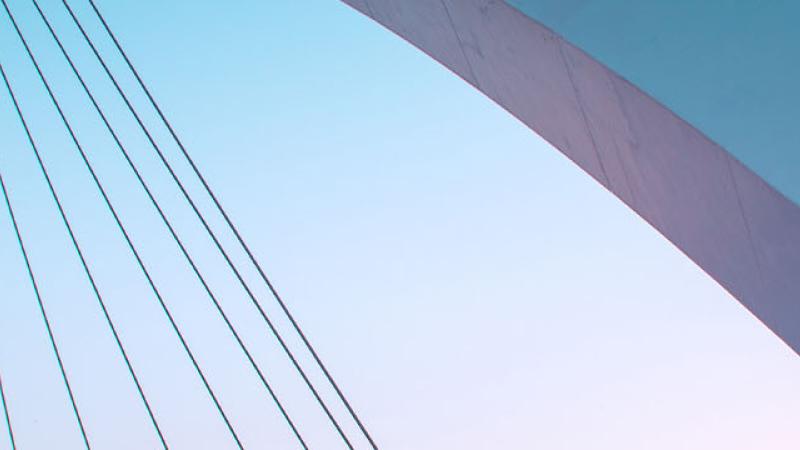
(369, 8)
(460, 44)
(625, 175)
(745, 220)
(579, 100)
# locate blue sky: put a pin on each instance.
(468, 286)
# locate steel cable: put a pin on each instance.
(9, 428)
(40, 302)
(170, 228)
(118, 221)
(222, 211)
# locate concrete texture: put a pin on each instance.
(733, 224)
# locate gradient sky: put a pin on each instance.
(468, 286)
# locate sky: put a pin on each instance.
(466, 284)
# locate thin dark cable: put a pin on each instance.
(39, 297)
(2, 391)
(124, 232)
(171, 229)
(230, 223)
(214, 238)
(120, 346)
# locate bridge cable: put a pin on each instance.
(121, 227)
(226, 217)
(120, 346)
(9, 428)
(42, 309)
(214, 238)
(171, 229)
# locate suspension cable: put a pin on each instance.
(219, 207)
(42, 309)
(123, 230)
(9, 428)
(213, 236)
(171, 229)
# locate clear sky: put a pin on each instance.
(468, 286)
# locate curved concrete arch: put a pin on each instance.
(728, 219)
